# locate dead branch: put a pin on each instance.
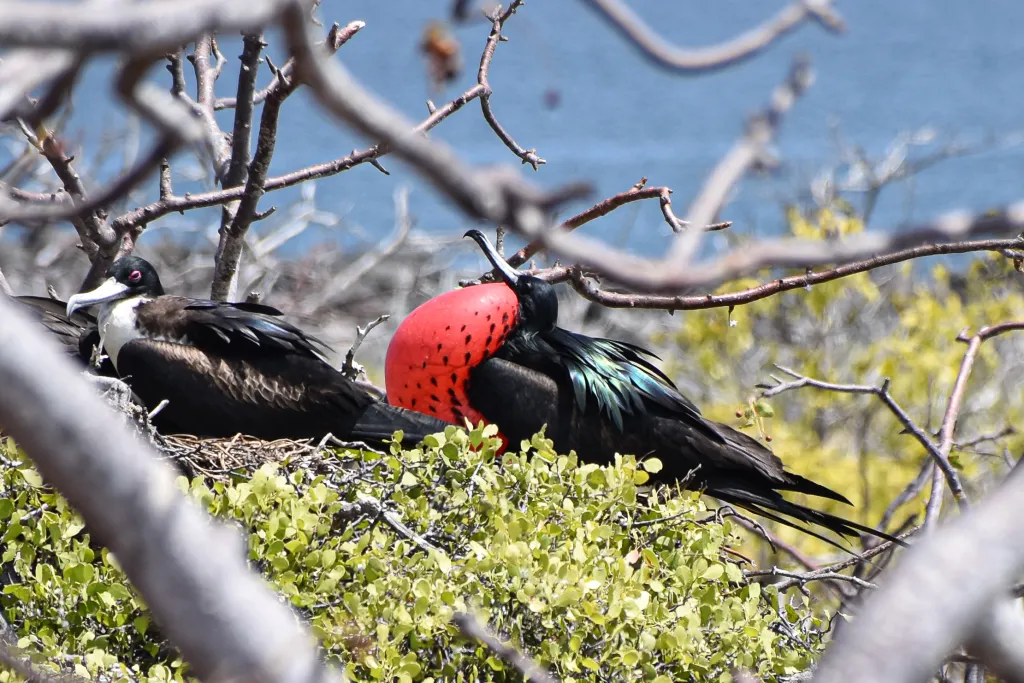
(241, 131)
(882, 392)
(943, 590)
(496, 196)
(351, 369)
(751, 151)
(530, 670)
(803, 578)
(603, 208)
(661, 53)
(206, 77)
(229, 252)
(589, 290)
(955, 401)
(190, 571)
(151, 27)
(498, 19)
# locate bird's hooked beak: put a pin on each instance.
(110, 290)
(507, 271)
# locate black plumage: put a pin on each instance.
(228, 368)
(77, 332)
(600, 397)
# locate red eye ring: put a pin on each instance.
(135, 276)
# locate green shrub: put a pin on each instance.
(898, 322)
(376, 553)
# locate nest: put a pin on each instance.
(218, 459)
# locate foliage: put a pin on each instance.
(890, 323)
(571, 563)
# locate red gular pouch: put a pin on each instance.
(429, 360)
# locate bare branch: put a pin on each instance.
(603, 208)
(943, 589)
(498, 19)
(747, 153)
(92, 228)
(802, 578)
(206, 76)
(646, 275)
(229, 251)
(529, 669)
(668, 56)
(497, 196)
(337, 37)
(882, 392)
(191, 572)
(135, 28)
(956, 400)
(351, 369)
(241, 133)
(590, 291)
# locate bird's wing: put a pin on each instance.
(78, 334)
(51, 313)
(249, 329)
(619, 380)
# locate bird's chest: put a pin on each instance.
(125, 321)
(118, 325)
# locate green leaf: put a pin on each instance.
(569, 596)
(443, 563)
(714, 572)
(652, 465)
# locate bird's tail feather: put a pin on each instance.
(380, 421)
(773, 506)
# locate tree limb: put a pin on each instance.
(944, 588)
(689, 60)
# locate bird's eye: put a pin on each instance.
(135, 276)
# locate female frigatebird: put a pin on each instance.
(494, 352)
(229, 368)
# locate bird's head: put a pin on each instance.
(538, 301)
(127, 277)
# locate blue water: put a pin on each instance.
(954, 66)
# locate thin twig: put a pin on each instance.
(603, 208)
(882, 392)
(801, 578)
(498, 19)
(956, 398)
(350, 368)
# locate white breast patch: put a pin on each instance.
(117, 323)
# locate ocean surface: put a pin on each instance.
(569, 86)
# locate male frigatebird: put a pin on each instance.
(494, 352)
(229, 368)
